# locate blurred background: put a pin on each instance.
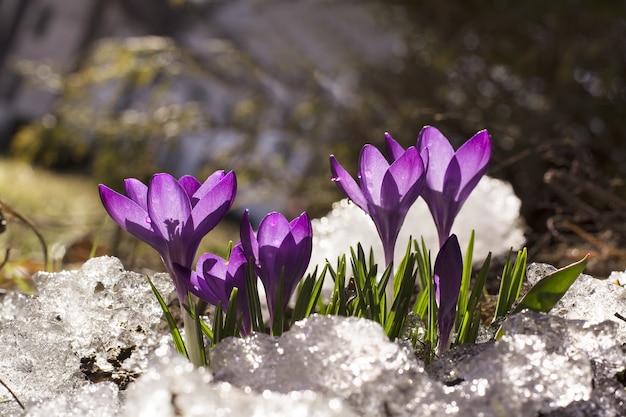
(100, 90)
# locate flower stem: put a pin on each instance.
(194, 342)
(390, 289)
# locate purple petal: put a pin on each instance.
(292, 258)
(236, 278)
(452, 181)
(448, 272)
(208, 184)
(168, 206)
(196, 283)
(130, 216)
(301, 227)
(394, 149)
(137, 191)
(408, 173)
(373, 166)
(213, 206)
(237, 261)
(473, 158)
(272, 230)
(389, 194)
(249, 241)
(214, 272)
(190, 184)
(347, 184)
(293, 255)
(440, 152)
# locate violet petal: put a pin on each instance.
(448, 272)
(347, 184)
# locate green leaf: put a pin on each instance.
(405, 277)
(465, 282)
(308, 295)
(218, 319)
(339, 298)
(197, 328)
(256, 316)
(305, 290)
(551, 288)
(465, 331)
(381, 287)
(511, 283)
(171, 323)
(207, 331)
(317, 291)
(231, 325)
(426, 276)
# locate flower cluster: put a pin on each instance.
(432, 169)
(174, 215)
(443, 177)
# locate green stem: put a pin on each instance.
(193, 339)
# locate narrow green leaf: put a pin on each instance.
(465, 282)
(426, 277)
(472, 334)
(464, 331)
(421, 303)
(519, 273)
(431, 332)
(511, 283)
(406, 276)
(254, 304)
(196, 317)
(360, 282)
(218, 321)
(551, 288)
(231, 327)
(303, 298)
(207, 331)
(382, 284)
(339, 299)
(171, 323)
(316, 293)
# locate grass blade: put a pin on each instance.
(171, 323)
(465, 282)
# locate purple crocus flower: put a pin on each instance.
(451, 176)
(214, 279)
(385, 191)
(172, 215)
(447, 276)
(279, 248)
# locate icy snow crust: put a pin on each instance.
(104, 322)
(93, 343)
